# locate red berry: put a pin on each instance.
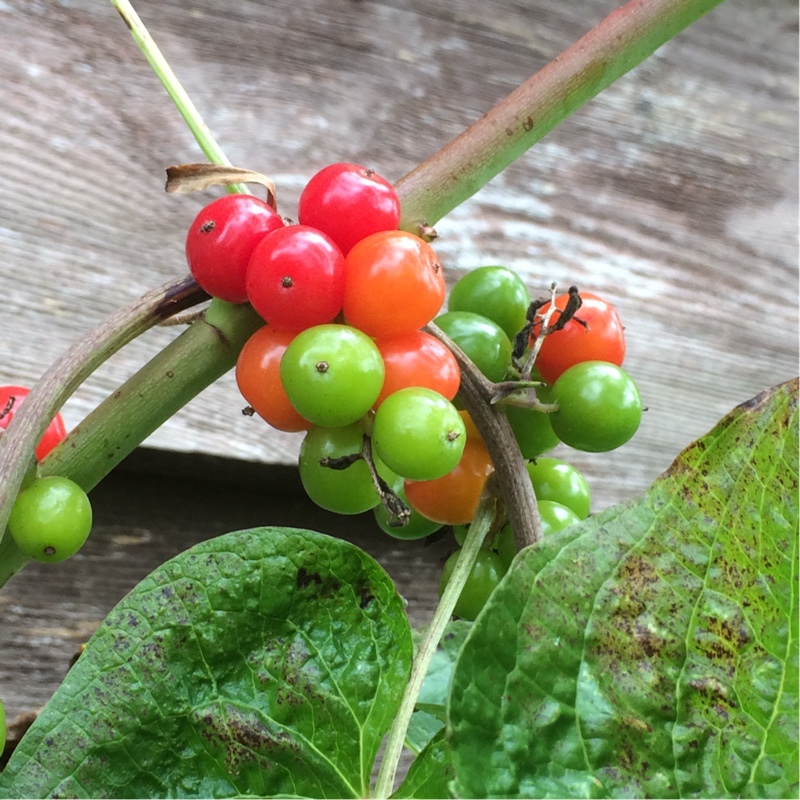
(599, 336)
(295, 279)
(349, 202)
(222, 238)
(11, 398)
(453, 498)
(259, 380)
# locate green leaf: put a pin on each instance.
(264, 662)
(421, 729)
(650, 651)
(433, 695)
(430, 773)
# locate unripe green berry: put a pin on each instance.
(51, 519)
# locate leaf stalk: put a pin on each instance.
(478, 530)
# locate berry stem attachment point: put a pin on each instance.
(515, 393)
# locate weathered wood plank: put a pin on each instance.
(674, 192)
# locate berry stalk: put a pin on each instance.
(477, 393)
(478, 529)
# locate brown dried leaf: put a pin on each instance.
(189, 178)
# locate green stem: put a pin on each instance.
(12, 559)
(478, 529)
(80, 360)
(200, 355)
(620, 42)
(204, 352)
(208, 144)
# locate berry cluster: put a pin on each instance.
(51, 517)
(557, 367)
(342, 356)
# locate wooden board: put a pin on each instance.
(674, 193)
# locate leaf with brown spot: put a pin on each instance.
(652, 650)
(247, 665)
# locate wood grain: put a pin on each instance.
(674, 193)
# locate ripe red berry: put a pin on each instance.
(295, 279)
(349, 202)
(222, 238)
(11, 398)
(417, 359)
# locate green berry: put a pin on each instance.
(486, 573)
(51, 519)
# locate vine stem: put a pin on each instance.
(477, 393)
(48, 396)
(621, 41)
(478, 529)
(169, 80)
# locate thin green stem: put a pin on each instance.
(12, 559)
(620, 42)
(478, 529)
(200, 131)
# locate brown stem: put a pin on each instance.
(476, 392)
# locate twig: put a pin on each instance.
(469, 552)
(181, 319)
(621, 41)
(527, 369)
(476, 393)
(200, 131)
